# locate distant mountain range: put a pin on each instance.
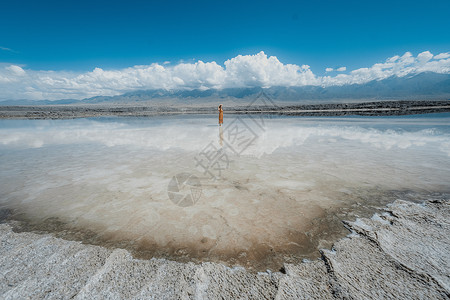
(423, 86)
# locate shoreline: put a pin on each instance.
(401, 253)
(379, 108)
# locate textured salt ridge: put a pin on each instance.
(400, 254)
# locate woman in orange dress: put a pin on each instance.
(220, 115)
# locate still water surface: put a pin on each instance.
(257, 192)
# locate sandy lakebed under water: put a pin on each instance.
(258, 192)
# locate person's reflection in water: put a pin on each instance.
(220, 115)
(221, 136)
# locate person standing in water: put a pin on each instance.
(220, 115)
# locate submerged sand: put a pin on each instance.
(402, 253)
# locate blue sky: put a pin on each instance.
(79, 49)
(82, 35)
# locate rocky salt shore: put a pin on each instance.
(379, 108)
(404, 253)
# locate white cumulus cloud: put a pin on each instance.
(442, 55)
(17, 82)
(340, 69)
(15, 70)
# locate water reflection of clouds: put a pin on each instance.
(104, 175)
(192, 135)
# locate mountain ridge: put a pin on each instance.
(422, 86)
